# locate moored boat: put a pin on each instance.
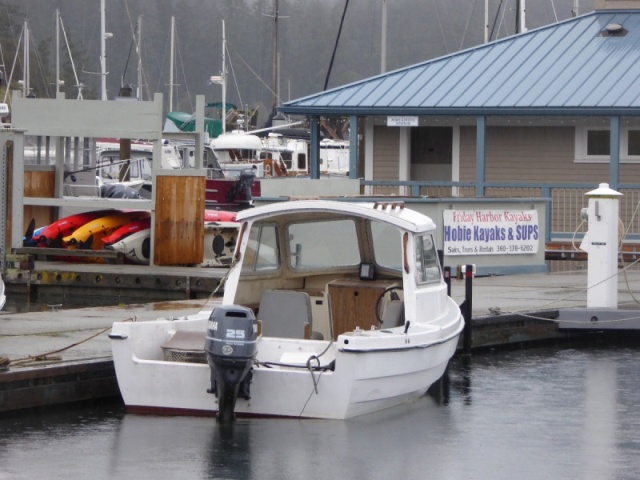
(330, 310)
(3, 296)
(135, 247)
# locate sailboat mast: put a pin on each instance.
(383, 39)
(57, 51)
(486, 21)
(25, 52)
(139, 52)
(224, 80)
(274, 75)
(171, 61)
(103, 50)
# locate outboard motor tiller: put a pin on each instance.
(231, 348)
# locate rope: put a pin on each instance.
(546, 305)
(222, 281)
(624, 234)
(48, 355)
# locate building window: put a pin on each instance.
(593, 145)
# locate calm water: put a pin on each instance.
(543, 413)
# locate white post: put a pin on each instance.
(486, 21)
(523, 23)
(602, 247)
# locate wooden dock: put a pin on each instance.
(138, 283)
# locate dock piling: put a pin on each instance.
(467, 307)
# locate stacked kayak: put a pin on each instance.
(129, 232)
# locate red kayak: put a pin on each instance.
(52, 235)
(219, 216)
(126, 230)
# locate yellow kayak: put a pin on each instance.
(90, 235)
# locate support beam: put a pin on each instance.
(368, 153)
(404, 159)
(314, 160)
(455, 160)
(481, 152)
(353, 146)
(614, 153)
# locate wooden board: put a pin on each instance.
(39, 184)
(353, 303)
(179, 220)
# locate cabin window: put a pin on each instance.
(593, 145)
(386, 245)
(134, 169)
(427, 265)
(262, 252)
(333, 243)
(302, 161)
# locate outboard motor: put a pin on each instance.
(231, 348)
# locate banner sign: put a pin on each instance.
(398, 121)
(490, 232)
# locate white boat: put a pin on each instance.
(3, 297)
(238, 151)
(330, 310)
(293, 152)
(219, 243)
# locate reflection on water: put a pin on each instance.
(551, 413)
(20, 303)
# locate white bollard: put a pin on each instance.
(602, 246)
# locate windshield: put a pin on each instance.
(332, 243)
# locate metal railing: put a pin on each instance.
(564, 201)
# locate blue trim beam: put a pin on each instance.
(614, 162)
(314, 155)
(481, 152)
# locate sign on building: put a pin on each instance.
(490, 232)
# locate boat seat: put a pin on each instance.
(286, 314)
(185, 346)
(393, 315)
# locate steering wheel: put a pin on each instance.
(381, 296)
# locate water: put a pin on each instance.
(21, 303)
(540, 413)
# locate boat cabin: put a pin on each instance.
(350, 268)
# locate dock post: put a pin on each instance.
(447, 279)
(601, 243)
(468, 303)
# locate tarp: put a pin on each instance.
(186, 122)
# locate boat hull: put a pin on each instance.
(365, 379)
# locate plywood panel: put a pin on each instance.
(353, 303)
(36, 184)
(39, 184)
(179, 220)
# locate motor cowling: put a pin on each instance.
(231, 347)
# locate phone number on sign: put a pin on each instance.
(514, 248)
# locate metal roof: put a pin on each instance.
(574, 67)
